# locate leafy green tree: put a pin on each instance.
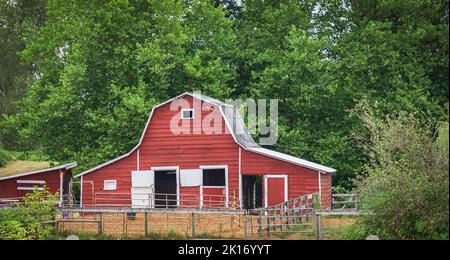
(286, 54)
(321, 58)
(18, 19)
(406, 188)
(102, 65)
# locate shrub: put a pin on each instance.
(24, 221)
(406, 186)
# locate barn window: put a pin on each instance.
(214, 177)
(187, 113)
(110, 185)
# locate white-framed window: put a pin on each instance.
(214, 178)
(110, 185)
(187, 114)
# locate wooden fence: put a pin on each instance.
(295, 216)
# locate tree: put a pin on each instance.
(321, 58)
(101, 66)
(17, 20)
(406, 187)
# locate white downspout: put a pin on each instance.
(240, 179)
(320, 187)
(61, 177)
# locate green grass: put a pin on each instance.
(333, 228)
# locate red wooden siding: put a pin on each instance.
(326, 190)
(213, 197)
(8, 187)
(120, 171)
(301, 180)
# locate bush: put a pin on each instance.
(13, 230)
(406, 189)
(24, 221)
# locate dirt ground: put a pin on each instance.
(212, 224)
(206, 225)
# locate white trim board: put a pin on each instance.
(29, 188)
(61, 189)
(266, 190)
(31, 182)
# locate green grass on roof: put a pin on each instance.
(18, 167)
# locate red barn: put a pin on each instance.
(15, 185)
(187, 167)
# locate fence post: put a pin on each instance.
(281, 217)
(193, 225)
(295, 212)
(123, 223)
(318, 226)
(245, 224)
(260, 224)
(268, 222)
(100, 224)
(301, 210)
(146, 224)
(287, 213)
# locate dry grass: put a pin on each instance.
(16, 167)
(224, 226)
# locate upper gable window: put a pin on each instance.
(187, 113)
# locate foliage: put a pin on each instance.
(406, 187)
(103, 65)
(4, 157)
(17, 19)
(24, 221)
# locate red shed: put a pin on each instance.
(15, 185)
(177, 163)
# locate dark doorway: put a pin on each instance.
(165, 189)
(251, 191)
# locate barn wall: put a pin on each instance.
(160, 147)
(93, 183)
(326, 190)
(8, 187)
(301, 180)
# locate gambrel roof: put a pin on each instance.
(236, 126)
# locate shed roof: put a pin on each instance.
(16, 169)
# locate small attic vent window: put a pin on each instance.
(187, 114)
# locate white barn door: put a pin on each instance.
(142, 189)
